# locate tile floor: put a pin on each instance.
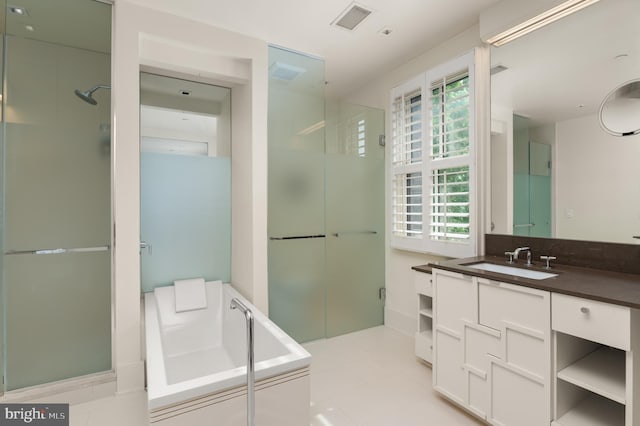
(372, 378)
(367, 378)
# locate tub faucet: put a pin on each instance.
(517, 251)
(251, 378)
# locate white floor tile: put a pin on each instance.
(372, 378)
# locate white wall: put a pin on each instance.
(401, 310)
(597, 183)
(501, 166)
(163, 43)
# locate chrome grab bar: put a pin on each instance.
(60, 250)
(525, 225)
(337, 234)
(297, 237)
(251, 379)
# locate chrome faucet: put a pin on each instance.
(517, 251)
(251, 369)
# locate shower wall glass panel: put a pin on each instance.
(326, 205)
(185, 218)
(56, 208)
(531, 183)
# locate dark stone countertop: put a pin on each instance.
(596, 284)
(423, 268)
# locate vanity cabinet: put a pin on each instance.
(597, 366)
(492, 348)
(424, 336)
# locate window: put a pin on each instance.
(433, 161)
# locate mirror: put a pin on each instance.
(555, 172)
(620, 110)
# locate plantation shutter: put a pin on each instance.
(433, 162)
(407, 208)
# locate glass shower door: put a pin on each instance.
(354, 218)
(531, 183)
(326, 205)
(56, 204)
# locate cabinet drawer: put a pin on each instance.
(592, 320)
(423, 283)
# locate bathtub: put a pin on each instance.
(196, 364)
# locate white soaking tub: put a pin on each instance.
(196, 364)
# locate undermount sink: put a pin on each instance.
(510, 270)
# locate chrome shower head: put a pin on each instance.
(86, 95)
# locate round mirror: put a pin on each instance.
(620, 110)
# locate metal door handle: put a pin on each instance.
(146, 245)
(59, 250)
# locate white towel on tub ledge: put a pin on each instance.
(190, 294)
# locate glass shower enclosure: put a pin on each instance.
(326, 204)
(56, 192)
(531, 181)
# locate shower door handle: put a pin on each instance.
(59, 250)
(338, 234)
(146, 245)
(296, 237)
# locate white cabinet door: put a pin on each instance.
(492, 348)
(455, 303)
(479, 342)
(521, 369)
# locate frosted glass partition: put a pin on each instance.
(540, 188)
(354, 217)
(326, 204)
(296, 218)
(297, 287)
(58, 315)
(56, 204)
(531, 183)
(185, 217)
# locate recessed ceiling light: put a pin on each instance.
(18, 10)
(621, 56)
(28, 27)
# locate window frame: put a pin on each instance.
(424, 83)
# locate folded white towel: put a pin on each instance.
(190, 294)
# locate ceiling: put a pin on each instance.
(61, 21)
(352, 58)
(551, 72)
(566, 69)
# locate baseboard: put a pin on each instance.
(130, 377)
(400, 321)
(72, 391)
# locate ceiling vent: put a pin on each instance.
(285, 72)
(352, 16)
(498, 68)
